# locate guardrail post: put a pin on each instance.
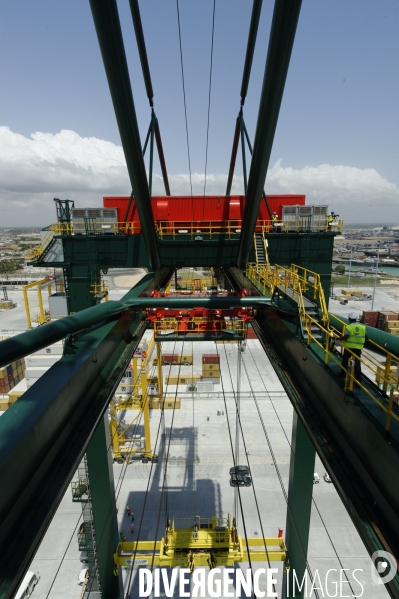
(389, 412)
(387, 372)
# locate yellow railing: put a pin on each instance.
(296, 278)
(198, 229)
(198, 326)
(300, 280)
(193, 229)
(368, 360)
(99, 288)
(210, 228)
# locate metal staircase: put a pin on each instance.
(260, 245)
(86, 533)
(312, 324)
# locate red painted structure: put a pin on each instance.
(199, 209)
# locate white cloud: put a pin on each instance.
(34, 170)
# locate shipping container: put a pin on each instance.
(210, 359)
(175, 379)
(211, 374)
(197, 210)
(208, 367)
(169, 358)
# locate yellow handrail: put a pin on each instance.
(196, 327)
(267, 279)
(367, 360)
(296, 278)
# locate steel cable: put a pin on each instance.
(184, 95)
(313, 500)
(162, 419)
(209, 96)
(108, 519)
(247, 452)
(239, 494)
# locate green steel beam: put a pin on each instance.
(102, 492)
(300, 492)
(106, 20)
(44, 435)
(253, 30)
(284, 24)
(26, 343)
(233, 158)
(138, 29)
(361, 460)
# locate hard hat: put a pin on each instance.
(352, 316)
(274, 212)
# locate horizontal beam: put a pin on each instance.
(44, 435)
(27, 343)
(361, 460)
(282, 35)
(109, 33)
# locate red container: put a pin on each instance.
(210, 359)
(197, 210)
(169, 358)
(4, 386)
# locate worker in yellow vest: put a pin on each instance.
(274, 220)
(354, 339)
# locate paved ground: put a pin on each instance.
(200, 455)
(385, 299)
(197, 479)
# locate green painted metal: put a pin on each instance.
(310, 250)
(285, 19)
(106, 20)
(385, 340)
(253, 30)
(358, 455)
(250, 150)
(138, 29)
(161, 157)
(233, 158)
(129, 251)
(300, 492)
(64, 208)
(31, 341)
(102, 490)
(44, 435)
(244, 160)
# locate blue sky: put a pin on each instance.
(338, 131)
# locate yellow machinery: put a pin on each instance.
(123, 446)
(43, 316)
(192, 542)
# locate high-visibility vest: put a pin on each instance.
(357, 336)
(274, 218)
(330, 218)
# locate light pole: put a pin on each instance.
(350, 267)
(375, 276)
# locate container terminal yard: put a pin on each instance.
(178, 419)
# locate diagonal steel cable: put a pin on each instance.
(184, 94)
(210, 90)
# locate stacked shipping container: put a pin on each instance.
(210, 366)
(385, 321)
(11, 375)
